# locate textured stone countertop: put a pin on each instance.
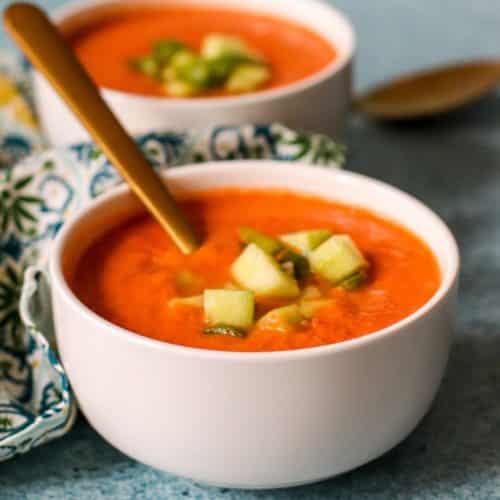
(453, 165)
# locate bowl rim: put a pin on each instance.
(448, 281)
(339, 63)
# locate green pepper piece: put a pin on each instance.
(225, 330)
(164, 50)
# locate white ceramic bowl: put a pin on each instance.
(256, 420)
(319, 103)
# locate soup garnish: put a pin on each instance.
(224, 62)
(270, 268)
(265, 278)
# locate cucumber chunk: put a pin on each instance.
(308, 308)
(195, 301)
(281, 319)
(306, 241)
(216, 46)
(183, 58)
(258, 271)
(233, 308)
(230, 331)
(197, 73)
(247, 77)
(179, 88)
(337, 259)
(168, 74)
(188, 69)
(269, 244)
(147, 65)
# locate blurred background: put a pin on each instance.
(399, 35)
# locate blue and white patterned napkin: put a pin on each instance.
(37, 194)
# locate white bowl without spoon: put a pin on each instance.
(256, 420)
(319, 103)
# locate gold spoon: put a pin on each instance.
(45, 47)
(430, 92)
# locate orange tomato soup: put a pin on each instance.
(106, 49)
(128, 275)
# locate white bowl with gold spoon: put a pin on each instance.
(255, 419)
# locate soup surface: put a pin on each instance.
(293, 52)
(129, 275)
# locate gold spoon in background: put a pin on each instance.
(430, 92)
(47, 50)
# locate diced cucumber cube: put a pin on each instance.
(179, 88)
(168, 74)
(215, 46)
(229, 307)
(337, 259)
(195, 301)
(187, 74)
(308, 308)
(258, 271)
(281, 319)
(267, 243)
(183, 58)
(147, 65)
(196, 73)
(306, 241)
(247, 77)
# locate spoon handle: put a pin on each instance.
(47, 50)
